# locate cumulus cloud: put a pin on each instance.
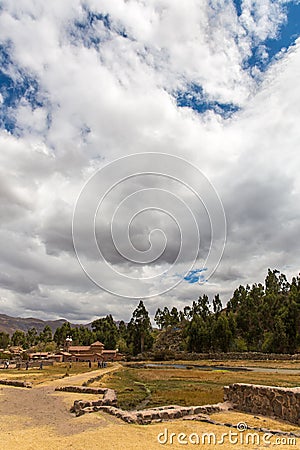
(87, 82)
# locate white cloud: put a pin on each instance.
(113, 97)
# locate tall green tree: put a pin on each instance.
(45, 335)
(4, 340)
(32, 337)
(221, 335)
(174, 317)
(106, 331)
(159, 318)
(61, 333)
(139, 330)
(19, 338)
(198, 335)
(217, 305)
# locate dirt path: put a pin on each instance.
(41, 405)
(82, 377)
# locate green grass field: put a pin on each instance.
(149, 387)
(139, 387)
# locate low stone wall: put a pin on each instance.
(92, 380)
(218, 356)
(147, 416)
(82, 389)
(282, 403)
(16, 383)
(80, 407)
(164, 413)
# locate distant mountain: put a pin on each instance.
(11, 324)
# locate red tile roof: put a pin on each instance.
(78, 348)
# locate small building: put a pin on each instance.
(97, 347)
(64, 356)
(55, 357)
(38, 355)
(109, 355)
(94, 352)
(16, 350)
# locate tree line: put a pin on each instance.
(262, 317)
(131, 338)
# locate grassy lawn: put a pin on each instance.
(48, 373)
(130, 388)
(159, 386)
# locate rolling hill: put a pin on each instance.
(10, 324)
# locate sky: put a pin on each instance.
(147, 150)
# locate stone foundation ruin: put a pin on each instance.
(279, 402)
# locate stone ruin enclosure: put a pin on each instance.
(279, 402)
(272, 401)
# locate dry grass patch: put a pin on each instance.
(111, 437)
(48, 373)
(254, 421)
(162, 386)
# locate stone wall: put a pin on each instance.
(282, 403)
(16, 383)
(92, 380)
(169, 355)
(147, 416)
(277, 402)
(81, 407)
(163, 413)
(82, 389)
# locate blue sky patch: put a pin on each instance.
(195, 276)
(238, 6)
(14, 89)
(287, 35)
(194, 97)
(262, 56)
